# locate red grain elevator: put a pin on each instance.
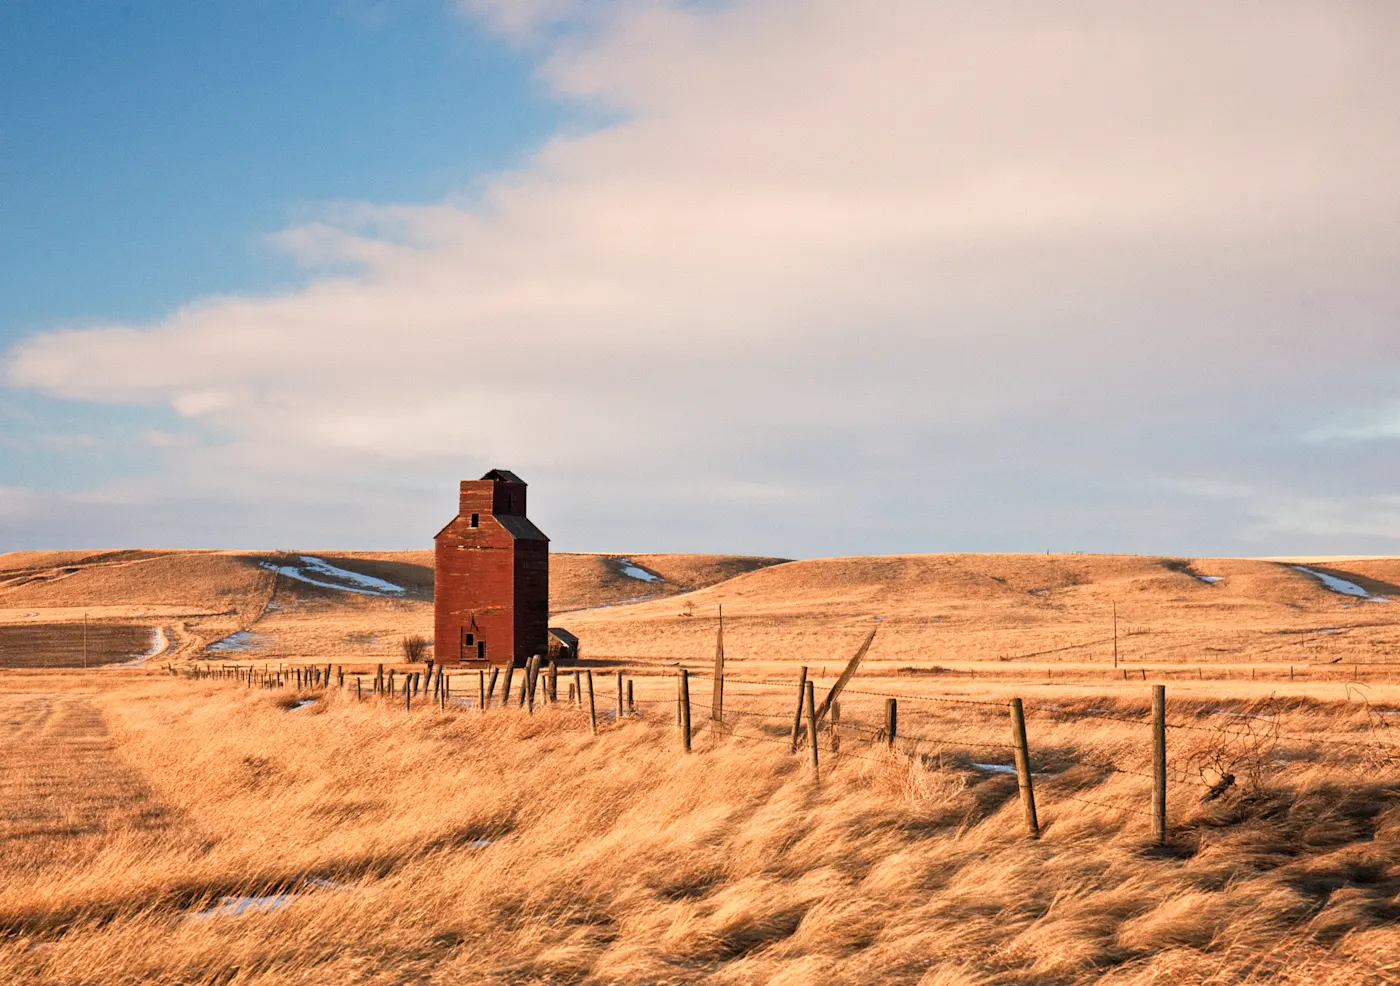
(490, 577)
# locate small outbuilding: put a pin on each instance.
(563, 645)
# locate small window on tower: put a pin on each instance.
(481, 650)
(476, 520)
(471, 639)
(510, 501)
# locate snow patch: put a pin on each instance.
(641, 574)
(995, 768)
(241, 640)
(302, 703)
(1210, 578)
(348, 581)
(1342, 585)
(233, 907)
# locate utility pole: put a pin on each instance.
(1115, 633)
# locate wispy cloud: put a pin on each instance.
(1094, 237)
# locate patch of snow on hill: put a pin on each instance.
(632, 571)
(1342, 586)
(364, 585)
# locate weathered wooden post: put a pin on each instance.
(631, 705)
(621, 713)
(407, 697)
(717, 699)
(327, 679)
(592, 712)
(505, 685)
(810, 696)
(573, 696)
(685, 708)
(491, 687)
(481, 689)
(1159, 763)
(578, 685)
(891, 721)
(553, 682)
(359, 693)
(1023, 767)
(835, 727)
(801, 697)
(845, 677)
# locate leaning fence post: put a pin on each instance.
(801, 696)
(1159, 763)
(835, 727)
(505, 685)
(685, 708)
(810, 695)
(891, 721)
(1023, 767)
(592, 712)
(491, 688)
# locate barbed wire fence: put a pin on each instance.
(880, 728)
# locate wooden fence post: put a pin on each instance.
(891, 721)
(592, 711)
(621, 712)
(1023, 767)
(810, 696)
(481, 689)
(685, 707)
(505, 685)
(1159, 764)
(845, 677)
(532, 674)
(553, 683)
(491, 688)
(631, 705)
(801, 696)
(407, 697)
(578, 685)
(717, 698)
(835, 727)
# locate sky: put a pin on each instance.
(785, 277)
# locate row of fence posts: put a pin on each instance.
(807, 709)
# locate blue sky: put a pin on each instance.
(793, 277)
(150, 145)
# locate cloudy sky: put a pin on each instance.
(765, 276)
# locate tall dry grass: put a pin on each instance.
(463, 847)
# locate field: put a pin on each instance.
(173, 828)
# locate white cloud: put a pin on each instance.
(831, 224)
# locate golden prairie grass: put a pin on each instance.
(504, 847)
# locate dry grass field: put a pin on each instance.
(167, 829)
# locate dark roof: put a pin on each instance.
(563, 636)
(520, 528)
(505, 476)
